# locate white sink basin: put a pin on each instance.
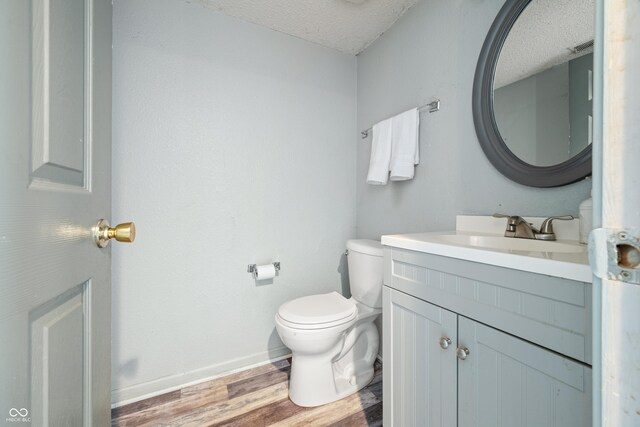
(564, 258)
(508, 243)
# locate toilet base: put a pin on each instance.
(325, 387)
(344, 370)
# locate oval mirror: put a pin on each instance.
(532, 93)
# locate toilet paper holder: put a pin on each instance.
(251, 268)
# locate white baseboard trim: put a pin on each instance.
(146, 390)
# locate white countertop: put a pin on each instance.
(568, 265)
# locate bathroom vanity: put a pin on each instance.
(476, 333)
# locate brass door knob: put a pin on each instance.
(125, 232)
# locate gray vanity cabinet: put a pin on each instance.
(429, 379)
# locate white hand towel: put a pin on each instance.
(380, 153)
(405, 147)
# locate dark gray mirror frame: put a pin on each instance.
(511, 166)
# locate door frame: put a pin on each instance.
(616, 202)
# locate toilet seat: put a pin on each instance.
(317, 311)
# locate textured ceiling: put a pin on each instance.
(346, 25)
(543, 37)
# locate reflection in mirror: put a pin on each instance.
(542, 86)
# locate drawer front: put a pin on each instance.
(552, 312)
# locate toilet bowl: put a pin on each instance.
(333, 340)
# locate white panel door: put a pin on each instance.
(55, 163)
(506, 381)
(419, 375)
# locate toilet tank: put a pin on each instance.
(365, 271)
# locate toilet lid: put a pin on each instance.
(318, 309)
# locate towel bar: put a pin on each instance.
(432, 106)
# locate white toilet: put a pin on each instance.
(333, 339)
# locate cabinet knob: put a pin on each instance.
(445, 343)
(462, 353)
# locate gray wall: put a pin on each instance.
(432, 52)
(532, 115)
(581, 102)
(232, 144)
(515, 109)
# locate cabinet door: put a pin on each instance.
(419, 376)
(505, 381)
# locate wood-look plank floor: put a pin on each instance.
(254, 397)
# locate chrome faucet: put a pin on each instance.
(519, 228)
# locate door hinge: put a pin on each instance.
(614, 254)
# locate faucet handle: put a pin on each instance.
(512, 220)
(547, 225)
